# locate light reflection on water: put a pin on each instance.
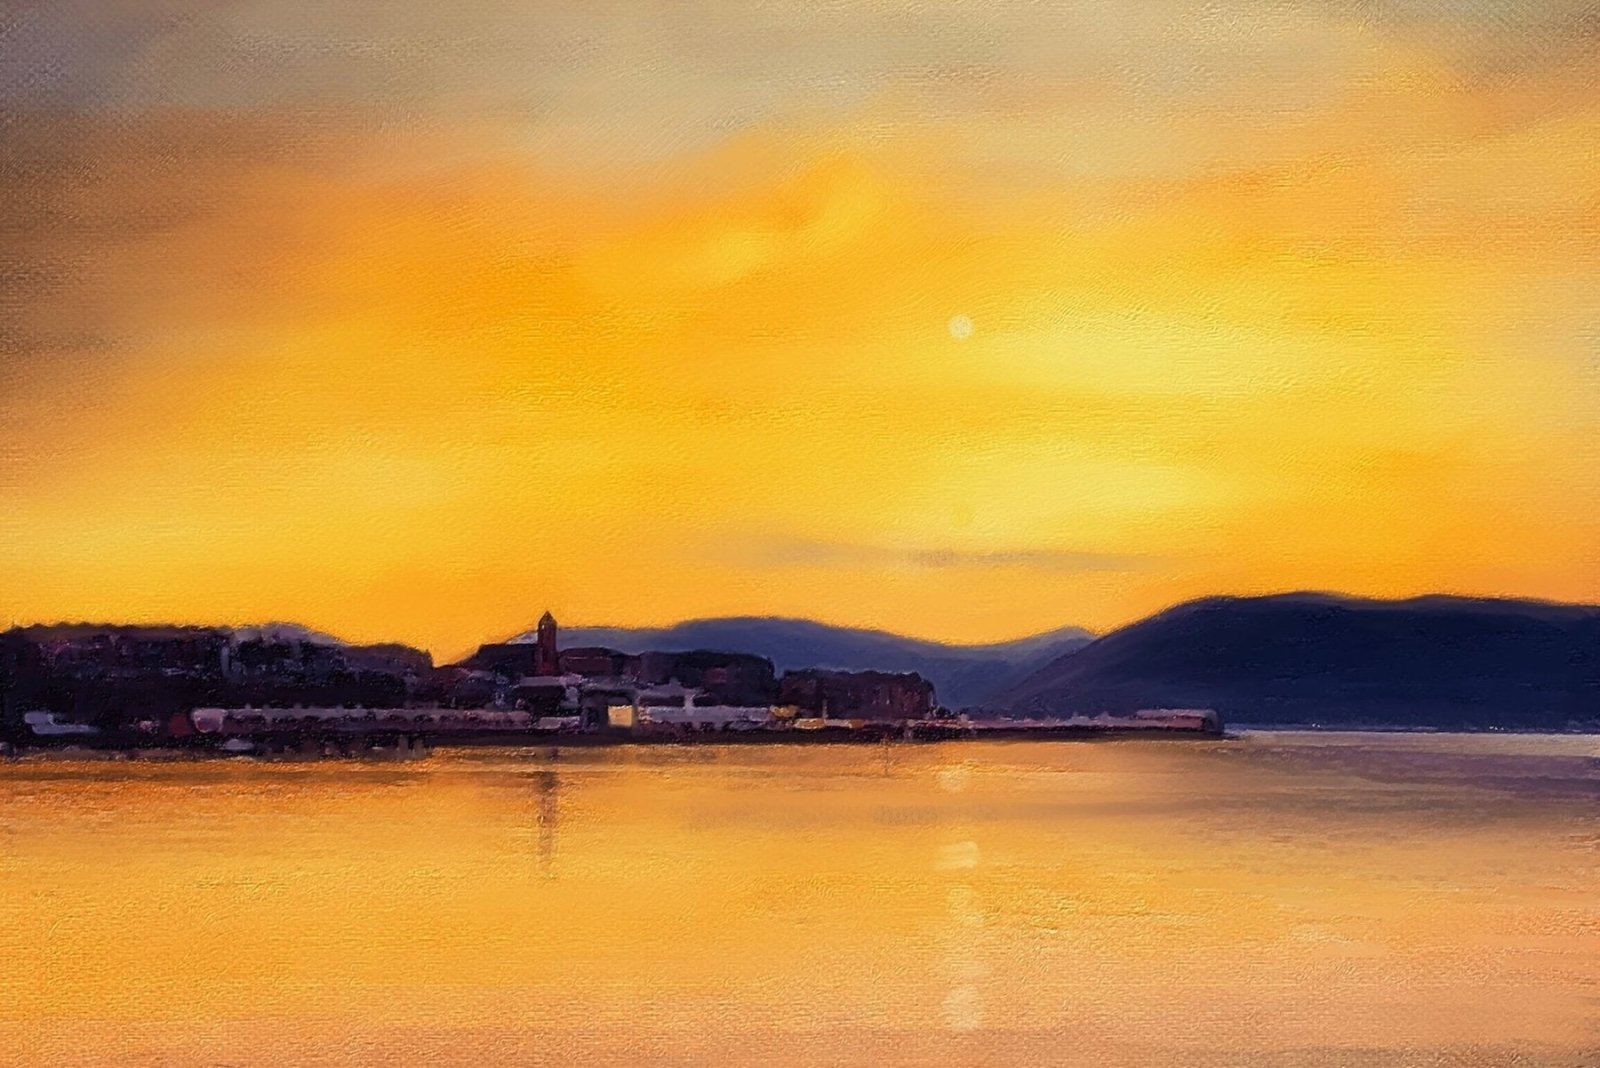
(1279, 899)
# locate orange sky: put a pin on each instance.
(413, 325)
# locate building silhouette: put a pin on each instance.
(546, 657)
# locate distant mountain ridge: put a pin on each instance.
(961, 674)
(1294, 658)
(270, 632)
(1322, 658)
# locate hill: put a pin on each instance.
(271, 632)
(1319, 658)
(961, 674)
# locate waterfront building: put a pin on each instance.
(547, 655)
(877, 695)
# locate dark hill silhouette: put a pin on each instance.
(1319, 658)
(961, 674)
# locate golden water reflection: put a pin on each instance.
(1280, 899)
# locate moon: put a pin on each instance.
(960, 327)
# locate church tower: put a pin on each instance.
(546, 657)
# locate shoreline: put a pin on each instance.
(358, 746)
(355, 746)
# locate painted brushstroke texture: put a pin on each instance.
(1283, 900)
(963, 320)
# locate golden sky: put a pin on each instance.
(960, 319)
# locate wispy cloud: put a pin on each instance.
(829, 554)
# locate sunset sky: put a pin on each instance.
(966, 319)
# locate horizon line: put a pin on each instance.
(1093, 634)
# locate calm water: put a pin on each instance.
(1280, 899)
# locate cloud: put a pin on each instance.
(635, 82)
(797, 553)
(116, 230)
(574, 287)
